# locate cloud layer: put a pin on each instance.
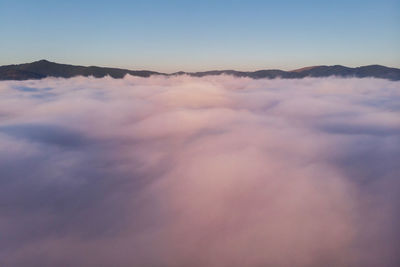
(212, 171)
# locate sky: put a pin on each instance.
(197, 35)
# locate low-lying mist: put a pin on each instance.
(213, 171)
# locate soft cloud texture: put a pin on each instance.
(212, 171)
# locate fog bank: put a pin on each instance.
(212, 171)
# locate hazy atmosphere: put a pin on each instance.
(212, 171)
(199, 133)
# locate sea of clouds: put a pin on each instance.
(213, 171)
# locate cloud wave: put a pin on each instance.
(212, 171)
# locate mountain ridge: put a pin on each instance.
(44, 68)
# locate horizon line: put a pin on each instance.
(199, 71)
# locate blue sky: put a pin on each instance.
(201, 35)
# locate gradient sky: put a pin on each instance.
(201, 35)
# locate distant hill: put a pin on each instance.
(43, 68)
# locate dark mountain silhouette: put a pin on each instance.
(43, 68)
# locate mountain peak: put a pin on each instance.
(42, 61)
